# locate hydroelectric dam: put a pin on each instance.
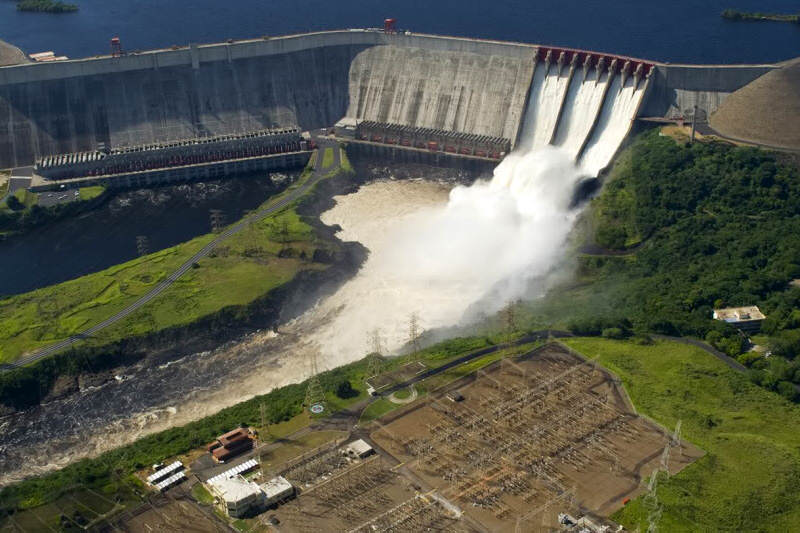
(465, 96)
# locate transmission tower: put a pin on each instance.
(651, 502)
(375, 359)
(217, 220)
(414, 333)
(510, 316)
(265, 419)
(142, 245)
(374, 364)
(675, 441)
(315, 396)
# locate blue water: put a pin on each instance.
(666, 30)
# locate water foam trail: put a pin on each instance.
(614, 124)
(484, 245)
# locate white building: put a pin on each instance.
(238, 495)
(745, 318)
(358, 449)
(276, 490)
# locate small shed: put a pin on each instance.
(455, 396)
(359, 449)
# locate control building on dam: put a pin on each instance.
(466, 97)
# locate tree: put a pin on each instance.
(787, 390)
(14, 204)
(345, 390)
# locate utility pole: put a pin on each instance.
(142, 245)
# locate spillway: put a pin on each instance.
(619, 109)
(586, 94)
(545, 107)
(585, 112)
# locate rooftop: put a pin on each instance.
(359, 447)
(235, 489)
(276, 487)
(739, 314)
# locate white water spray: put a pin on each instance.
(484, 245)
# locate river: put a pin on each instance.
(675, 31)
(153, 398)
(106, 236)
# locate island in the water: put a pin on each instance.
(734, 14)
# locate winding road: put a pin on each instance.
(284, 201)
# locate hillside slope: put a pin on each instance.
(765, 111)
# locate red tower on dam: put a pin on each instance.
(116, 47)
(389, 25)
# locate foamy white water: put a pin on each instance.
(580, 110)
(614, 124)
(552, 96)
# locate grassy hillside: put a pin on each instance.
(749, 479)
(248, 265)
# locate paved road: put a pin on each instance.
(318, 174)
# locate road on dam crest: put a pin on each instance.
(317, 175)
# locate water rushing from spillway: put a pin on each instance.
(446, 255)
(584, 112)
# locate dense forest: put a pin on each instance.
(706, 226)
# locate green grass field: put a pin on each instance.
(327, 158)
(749, 479)
(242, 269)
(90, 193)
(201, 494)
(27, 198)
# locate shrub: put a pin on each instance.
(613, 333)
(14, 204)
(345, 390)
(787, 390)
(748, 358)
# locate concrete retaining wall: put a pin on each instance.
(678, 88)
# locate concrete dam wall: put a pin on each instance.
(313, 80)
(454, 91)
